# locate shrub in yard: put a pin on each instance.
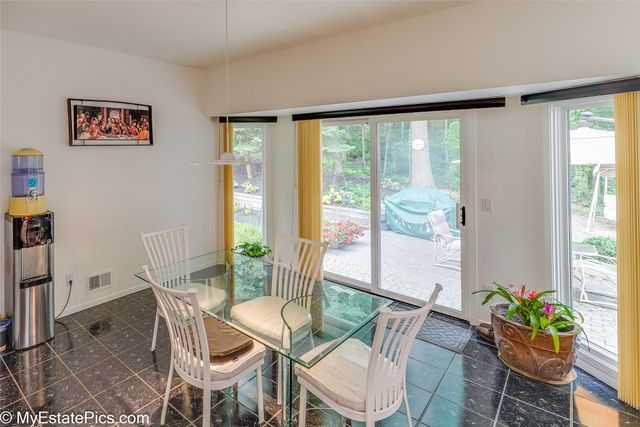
(341, 233)
(249, 187)
(606, 245)
(246, 233)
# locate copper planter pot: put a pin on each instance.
(537, 359)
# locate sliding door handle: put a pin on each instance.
(461, 215)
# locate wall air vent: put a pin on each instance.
(99, 281)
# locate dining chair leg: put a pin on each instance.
(406, 407)
(206, 405)
(260, 396)
(155, 330)
(166, 393)
(302, 412)
(279, 380)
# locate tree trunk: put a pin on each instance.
(248, 167)
(338, 170)
(364, 160)
(421, 175)
(386, 150)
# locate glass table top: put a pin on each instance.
(235, 288)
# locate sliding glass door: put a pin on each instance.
(391, 191)
(418, 191)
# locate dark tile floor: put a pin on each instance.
(100, 361)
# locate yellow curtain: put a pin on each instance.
(226, 145)
(309, 180)
(309, 183)
(627, 118)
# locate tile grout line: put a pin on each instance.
(426, 408)
(538, 407)
(504, 389)
(19, 389)
(571, 402)
(135, 374)
(73, 374)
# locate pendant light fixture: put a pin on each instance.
(227, 158)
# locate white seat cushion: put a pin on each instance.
(341, 375)
(263, 316)
(209, 298)
(227, 370)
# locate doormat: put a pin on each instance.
(441, 330)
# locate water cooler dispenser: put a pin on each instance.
(29, 253)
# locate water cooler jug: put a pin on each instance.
(27, 183)
(29, 254)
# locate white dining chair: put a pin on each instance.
(168, 253)
(297, 265)
(366, 383)
(190, 354)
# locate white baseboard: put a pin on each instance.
(106, 298)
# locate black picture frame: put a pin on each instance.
(101, 123)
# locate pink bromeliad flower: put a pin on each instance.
(520, 293)
(532, 294)
(548, 310)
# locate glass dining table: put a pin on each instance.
(337, 312)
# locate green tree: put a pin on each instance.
(581, 117)
(248, 143)
(335, 148)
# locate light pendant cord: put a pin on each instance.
(226, 61)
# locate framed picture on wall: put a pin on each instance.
(107, 123)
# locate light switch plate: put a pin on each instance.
(487, 205)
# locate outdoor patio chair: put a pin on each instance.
(595, 270)
(447, 245)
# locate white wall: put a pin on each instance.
(104, 196)
(475, 46)
(280, 158)
(510, 170)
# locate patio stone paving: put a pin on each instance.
(407, 267)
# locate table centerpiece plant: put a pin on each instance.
(536, 334)
(253, 249)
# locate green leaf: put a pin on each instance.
(535, 325)
(512, 309)
(489, 297)
(556, 338)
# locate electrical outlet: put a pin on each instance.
(69, 278)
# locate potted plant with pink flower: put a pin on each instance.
(338, 234)
(536, 335)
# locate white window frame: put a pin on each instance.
(468, 191)
(598, 362)
(265, 160)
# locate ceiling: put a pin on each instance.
(192, 32)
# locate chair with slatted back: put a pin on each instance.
(366, 383)
(297, 265)
(191, 354)
(168, 252)
(446, 252)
